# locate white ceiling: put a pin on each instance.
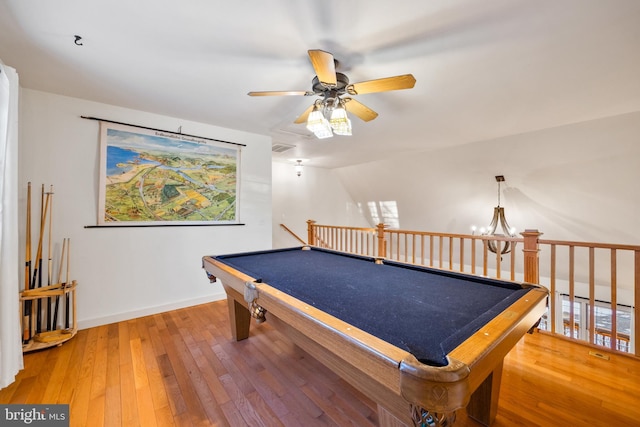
(484, 68)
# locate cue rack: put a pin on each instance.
(47, 310)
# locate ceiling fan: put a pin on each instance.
(336, 91)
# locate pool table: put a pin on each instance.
(420, 342)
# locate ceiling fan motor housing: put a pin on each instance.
(342, 81)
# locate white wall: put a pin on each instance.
(575, 182)
(317, 194)
(124, 273)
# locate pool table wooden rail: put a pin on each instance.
(385, 373)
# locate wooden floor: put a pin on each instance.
(181, 368)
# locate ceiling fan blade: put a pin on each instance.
(281, 93)
(303, 117)
(405, 81)
(324, 66)
(359, 109)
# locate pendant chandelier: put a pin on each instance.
(498, 219)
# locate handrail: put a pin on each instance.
(590, 244)
(293, 234)
(588, 282)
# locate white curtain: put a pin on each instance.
(10, 334)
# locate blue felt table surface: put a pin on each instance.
(424, 311)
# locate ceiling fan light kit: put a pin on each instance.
(339, 122)
(328, 116)
(318, 124)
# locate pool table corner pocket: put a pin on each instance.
(439, 389)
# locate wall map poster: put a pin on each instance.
(157, 177)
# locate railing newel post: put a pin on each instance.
(531, 257)
(382, 252)
(311, 232)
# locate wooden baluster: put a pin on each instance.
(592, 298)
(552, 291)
(636, 290)
(473, 255)
(572, 292)
(614, 300)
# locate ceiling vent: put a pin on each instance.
(281, 148)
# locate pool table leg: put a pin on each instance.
(239, 316)
(483, 405)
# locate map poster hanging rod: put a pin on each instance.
(161, 130)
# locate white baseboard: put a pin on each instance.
(119, 317)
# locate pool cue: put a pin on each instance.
(50, 260)
(66, 283)
(57, 303)
(37, 271)
(26, 316)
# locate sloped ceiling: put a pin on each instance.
(484, 69)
